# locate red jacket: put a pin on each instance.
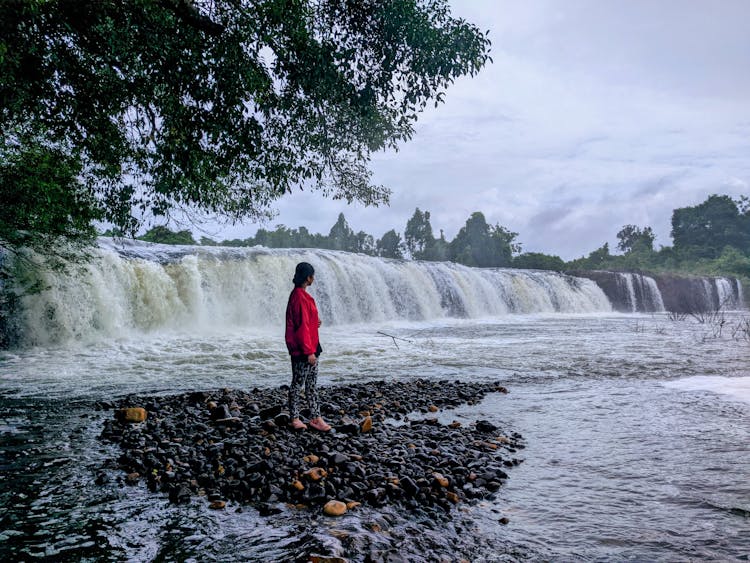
(302, 324)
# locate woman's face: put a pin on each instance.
(310, 279)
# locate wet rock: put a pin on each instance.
(315, 474)
(186, 451)
(131, 414)
(218, 505)
(366, 425)
(282, 420)
(351, 428)
(338, 459)
(267, 509)
(269, 426)
(133, 478)
(485, 426)
(221, 412)
(375, 496)
(270, 412)
(440, 480)
(334, 508)
(179, 495)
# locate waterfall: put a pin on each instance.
(131, 286)
(626, 280)
(740, 296)
(656, 300)
(640, 293)
(725, 292)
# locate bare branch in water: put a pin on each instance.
(394, 338)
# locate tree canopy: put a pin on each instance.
(706, 229)
(481, 244)
(632, 238)
(219, 107)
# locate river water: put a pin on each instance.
(637, 430)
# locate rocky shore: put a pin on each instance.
(389, 446)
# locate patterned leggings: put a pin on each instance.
(307, 374)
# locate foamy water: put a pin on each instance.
(734, 387)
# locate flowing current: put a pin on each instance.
(637, 426)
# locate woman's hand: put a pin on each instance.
(312, 359)
(319, 323)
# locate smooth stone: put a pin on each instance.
(366, 424)
(440, 480)
(315, 474)
(131, 414)
(221, 412)
(334, 508)
(485, 426)
(270, 412)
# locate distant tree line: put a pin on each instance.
(711, 238)
(477, 243)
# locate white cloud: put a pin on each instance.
(593, 115)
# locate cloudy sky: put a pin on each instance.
(594, 114)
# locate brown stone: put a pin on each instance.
(502, 440)
(312, 458)
(366, 424)
(433, 408)
(334, 508)
(440, 480)
(297, 484)
(218, 505)
(133, 414)
(316, 473)
(352, 504)
(211, 405)
(453, 497)
(455, 424)
(132, 478)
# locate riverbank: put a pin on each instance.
(387, 447)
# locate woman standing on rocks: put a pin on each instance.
(302, 341)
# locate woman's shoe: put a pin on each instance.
(320, 425)
(297, 424)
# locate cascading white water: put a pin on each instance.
(141, 287)
(740, 296)
(627, 280)
(653, 292)
(725, 291)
